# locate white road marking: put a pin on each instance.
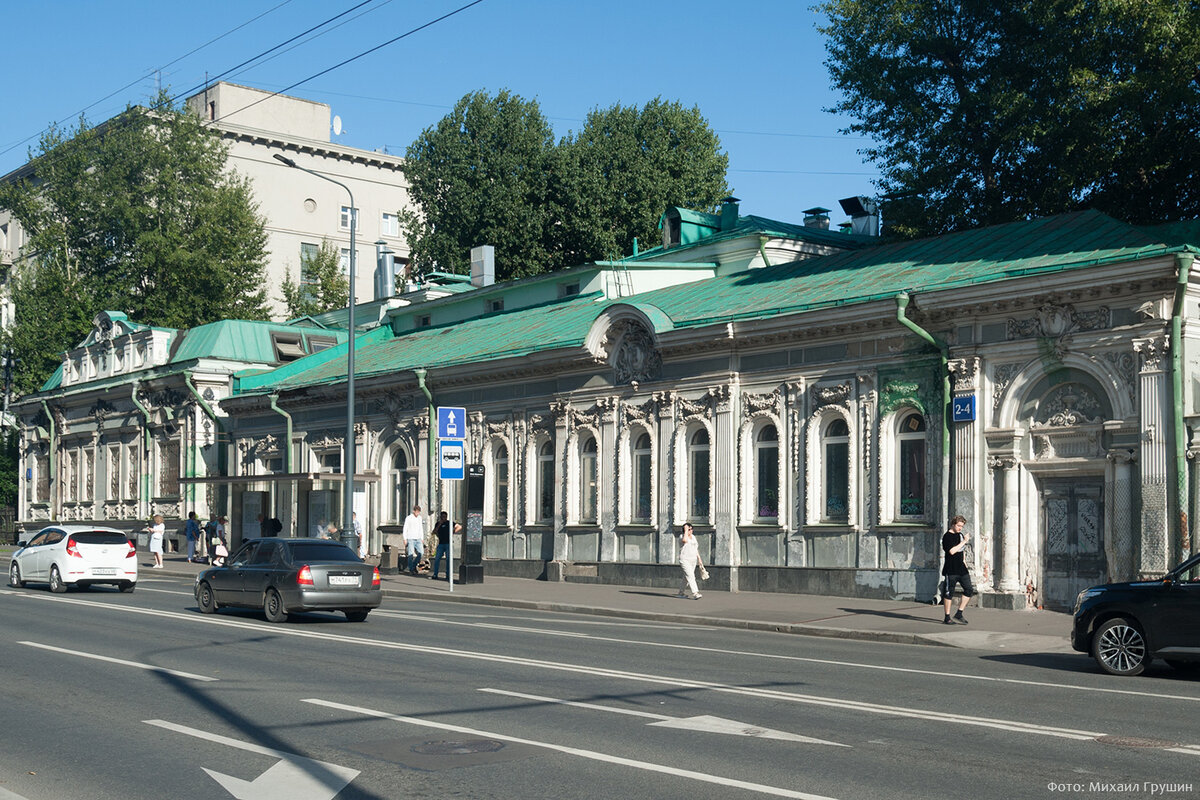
(293, 778)
(828, 662)
(704, 722)
(689, 773)
(665, 680)
(121, 661)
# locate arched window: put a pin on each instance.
(545, 508)
(403, 486)
(643, 484)
(910, 470)
(589, 480)
(766, 474)
(698, 476)
(500, 487)
(836, 489)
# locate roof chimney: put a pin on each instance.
(385, 271)
(729, 213)
(817, 218)
(864, 215)
(483, 266)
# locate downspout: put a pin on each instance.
(762, 240)
(53, 447)
(133, 390)
(1183, 263)
(287, 447)
(420, 373)
(221, 454)
(944, 350)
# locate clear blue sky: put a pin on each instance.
(755, 70)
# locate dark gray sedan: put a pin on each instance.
(285, 575)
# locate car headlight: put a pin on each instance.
(1086, 595)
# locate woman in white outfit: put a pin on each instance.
(689, 561)
(157, 530)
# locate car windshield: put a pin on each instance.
(315, 551)
(99, 537)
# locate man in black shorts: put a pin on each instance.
(954, 570)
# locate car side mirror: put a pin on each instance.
(22, 543)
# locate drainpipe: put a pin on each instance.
(221, 455)
(133, 390)
(944, 350)
(762, 240)
(287, 447)
(420, 373)
(1183, 263)
(53, 445)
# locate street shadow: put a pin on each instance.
(665, 593)
(935, 619)
(1083, 664)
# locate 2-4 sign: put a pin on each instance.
(963, 409)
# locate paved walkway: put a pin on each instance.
(813, 615)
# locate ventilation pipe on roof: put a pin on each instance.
(864, 215)
(1183, 264)
(483, 266)
(385, 271)
(50, 465)
(902, 300)
(729, 213)
(817, 217)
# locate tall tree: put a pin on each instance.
(482, 176)
(989, 112)
(137, 215)
(323, 285)
(619, 173)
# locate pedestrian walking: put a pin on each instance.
(210, 534)
(954, 570)
(358, 534)
(689, 562)
(414, 539)
(192, 533)
(157, 530)
(442, 532)
(220, 547)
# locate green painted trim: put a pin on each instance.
(287, 445)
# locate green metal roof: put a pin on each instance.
(998, 253)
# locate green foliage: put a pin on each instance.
(490, 173)
(987, 113)
(137, 215)
(53, 312)
(322, 287)
(625, 167)
(9, 462)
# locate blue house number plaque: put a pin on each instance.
(963, 409)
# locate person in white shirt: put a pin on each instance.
(414, 539)
(689, 562)
(358, 532)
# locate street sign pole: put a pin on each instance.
(452, 429)
(450, 549)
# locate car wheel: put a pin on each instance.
(273, 607)
(357, 614)
(127, 586)
(1186, 667)
(56, 582)
(14, 577)
(1120, 648)
(206, 599)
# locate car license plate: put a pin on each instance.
(343, 580)
(104, 571)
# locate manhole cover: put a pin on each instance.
(466, 748)
(1134, 741)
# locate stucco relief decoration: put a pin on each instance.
(325, 440)
(61, 425)
(539, 423)
(755, 404)
(1058, 319)
(838, 395)
(897, 393)
(1067, 405)
(589, 418)
(965, 372)
(99, 413)
(1124, 365)
(635, 358)
(644, 413)
(607, 407)
(995, 463)
(1002, 376)
(1152, 351)
(397, 408)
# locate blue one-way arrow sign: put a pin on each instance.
(452, 422)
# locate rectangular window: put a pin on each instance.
(389, 224)
(837, 481)
(70, 476)
(132, 471)
(89, 475)
(344, 260)
(318, 343)
(330, 462)
(698, 508)
(768, 482)
(344, 218)
(545, 489)
(496, 305)
(912, 477)
(42, 473)
(168, 469)
(642, 488)
(590, 487)
(502, 492)
(424, 321)
(308, 277)
(569, 289)
(288, 346)
(114, 473)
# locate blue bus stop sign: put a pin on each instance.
(452, 422)
(452, 457)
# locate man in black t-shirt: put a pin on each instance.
(442, 532)
(954, 570)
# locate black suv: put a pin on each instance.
(1126, 625)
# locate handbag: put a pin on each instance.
(703, 573)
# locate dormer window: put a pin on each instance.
(570, 289)
(318, 343)
(288, 346)
(424, 321)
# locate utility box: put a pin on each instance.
(470, 568)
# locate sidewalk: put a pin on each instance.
(811, 615)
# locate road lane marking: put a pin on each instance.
(121, 661)
(824, 661)
(665, 680)
(593, 755)
(295, 777)
(704, 722)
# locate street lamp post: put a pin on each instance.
(348, 451)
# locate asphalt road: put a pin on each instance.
(141, 696)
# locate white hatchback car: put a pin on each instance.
(75, 555)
